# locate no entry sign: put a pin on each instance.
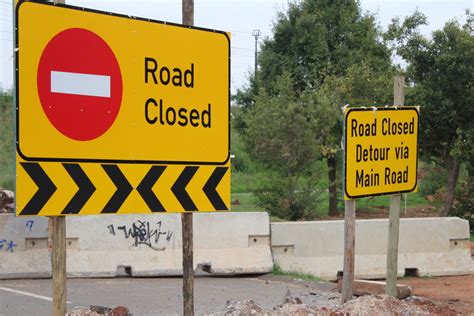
(79, 84)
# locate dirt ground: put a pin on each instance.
(455, 291)
(445, 293)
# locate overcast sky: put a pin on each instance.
(240, 17)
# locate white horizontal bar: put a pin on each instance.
(80, 84)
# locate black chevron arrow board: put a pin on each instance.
(52, 188)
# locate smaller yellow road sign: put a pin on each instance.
(381, 152)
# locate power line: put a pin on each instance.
(247, 56)
(242, 48)
(241, 31)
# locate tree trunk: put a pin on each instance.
(331, 161)
(453, 173)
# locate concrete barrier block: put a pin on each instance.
(246, 249)
(23, 247)
(139, 245)
(427, 247)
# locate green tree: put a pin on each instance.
(441, 72)
(323, 46)
(280, 136)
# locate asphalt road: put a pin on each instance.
(160, 296)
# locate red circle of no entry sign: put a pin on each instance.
(79, 84)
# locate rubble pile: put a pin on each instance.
(95, 310)
(294, 306)
(364, 305)
(432, 308)
(6, 201)
(248, 307)
(380, 305)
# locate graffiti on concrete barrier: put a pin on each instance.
(6, 245)
(29, 225)
(144, 233)
(111, 229)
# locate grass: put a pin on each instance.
(242, 185)
(242, 182)
(7, 178)
(246, 203)
(247, 200)
(412, 199)
(294, 275)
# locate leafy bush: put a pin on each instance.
(433, 181)
(290, 197)
(463, 205)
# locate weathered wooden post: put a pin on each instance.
(349, 250)
(394, 217)
(58, 264)
(187, 218)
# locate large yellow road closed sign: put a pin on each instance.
(98, 87)
(381, 152)
(118, 114)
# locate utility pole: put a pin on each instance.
(256, 34)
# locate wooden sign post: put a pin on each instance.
(349, 250)
(394, 217)
(58, 264)
(187, 218)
